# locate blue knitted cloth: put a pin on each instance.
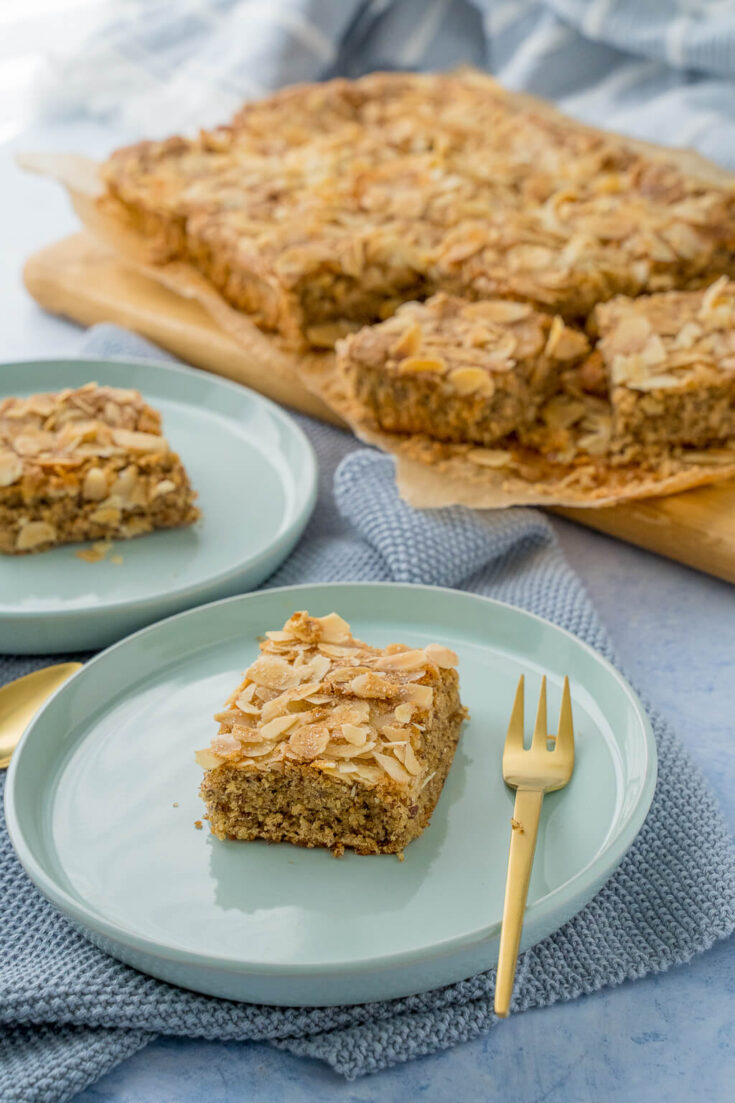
(68, 1012)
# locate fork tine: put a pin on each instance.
(565, 734)
(514, 737)
(540, 731)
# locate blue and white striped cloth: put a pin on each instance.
(657, 69)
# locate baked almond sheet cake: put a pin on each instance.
(524, 309)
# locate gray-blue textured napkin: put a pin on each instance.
(70, 1012)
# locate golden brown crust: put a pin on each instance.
(86, 464)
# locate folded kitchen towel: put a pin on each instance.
(68, 1012)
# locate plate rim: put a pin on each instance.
(298, 521)
(604, 863)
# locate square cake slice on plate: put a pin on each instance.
(86, 464)
(469, 372)
(670, 362)
(330, 742)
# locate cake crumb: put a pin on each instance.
(516, 825)
(400, 856)
(96, 553)
(116, 559)
(198, 824)
(176, 804)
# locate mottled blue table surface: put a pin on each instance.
(666, 1038)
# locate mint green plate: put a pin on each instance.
(101, 801)
(256, 476)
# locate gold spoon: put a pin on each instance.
(20, 701)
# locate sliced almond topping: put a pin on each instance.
(408, 344)
(308, 741)
(441, 656)
(33, 534)
(402, 660)
(564, 343)
(94, 487)
(133, 441)
(410, 760)
(164, 487)
(403, 713)
(471, 381)
(276, 727)
(393, 768)
(629, 336)
(334, 629)
(355, 733)
(279, 637)
(418, 364)
(11, 468)
(372, 685)
(422, 696)
(208, 759)
(225, 743)
(498, 310)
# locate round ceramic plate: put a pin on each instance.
(109, 764)
(255, 474)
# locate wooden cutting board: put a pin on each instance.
(78, 278)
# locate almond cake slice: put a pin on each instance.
(457, 370)
(86, 464)
(329, 742)
(670, 362)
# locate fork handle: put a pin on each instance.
(520, 860)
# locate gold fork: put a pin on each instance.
(532, 773)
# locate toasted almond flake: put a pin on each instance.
(403, 713)
(94, 487)
(402, 660)
(441, 656)
(416, 364)
(276, 727)
(279, 637)
(208, 759)
(410, 760)
(355, 733)
(257, 749)
(472, 381)
(564, 343)
(274, 672)
(630, 335)
(11, 468)
(334, 629)
(408, 344)
(225, 743)
(33, 534)
(308, 741)
(422, 696)
(498, 310)
(426, 780)
(160, 490)
(372, 685)
(393, 768)
(133, 441)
